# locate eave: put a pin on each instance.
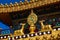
(26, 5)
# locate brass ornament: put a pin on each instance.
(20, 31)
(32, 18)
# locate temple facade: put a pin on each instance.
(32, 20)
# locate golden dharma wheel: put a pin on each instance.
(32, 18)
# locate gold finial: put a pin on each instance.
(16, 3)
(32, 11)
(32, 19)
(36, 0)
(21, 3)
(26, 0)
(11, 4)
(6, 4)
(32, 0)
(2, 5)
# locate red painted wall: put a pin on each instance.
(6, 18)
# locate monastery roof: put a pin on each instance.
(19, 5)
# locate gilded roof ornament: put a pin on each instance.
(16, 4)
(2, 5)
(32, 18)
(26, 0)
(21, 3)
(6, 5)
(11, 5)
(26, 5)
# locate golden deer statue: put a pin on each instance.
(20, 32)
(45, 27)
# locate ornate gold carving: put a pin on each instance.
(32, 28)
(31, 3)
(45, 27)
(20, 32)
(32, 19)
(42, 25)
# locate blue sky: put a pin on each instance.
(10, 1)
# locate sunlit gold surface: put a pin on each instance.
(45, 27)
(52, 36)
(25, 5)
(19, 32)
(55, 34)
(32, 18)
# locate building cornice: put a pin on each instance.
(26, 5)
